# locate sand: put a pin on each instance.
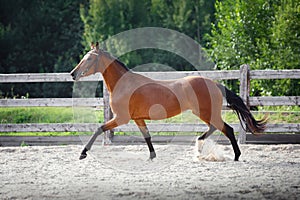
(124, 172)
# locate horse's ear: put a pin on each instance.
(92, 45)
(97, 45)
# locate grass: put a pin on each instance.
(279, 114)
(283, 114)
(48, 115)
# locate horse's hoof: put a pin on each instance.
(236, 158)
(152, 155)
(82, 156)
(200, 138)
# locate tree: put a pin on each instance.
(263, 34)
(39, 36)
(284, 48)
(50, 36)
(105, 18)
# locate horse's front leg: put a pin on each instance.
(90, 143)
(105, 127)
(143, 128)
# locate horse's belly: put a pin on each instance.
(154, 112)
(154, 101)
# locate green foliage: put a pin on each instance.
(43, 34)
(190, 17)
(105, 18)
(39, 36)
(50, 36)
(264, 34)
(24, 144)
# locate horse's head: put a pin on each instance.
(89, 63)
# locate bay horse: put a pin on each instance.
(139, 98)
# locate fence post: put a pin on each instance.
(108, 115)
(244, 94)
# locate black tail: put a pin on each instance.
(236, 103)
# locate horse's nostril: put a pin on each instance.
(73, 76)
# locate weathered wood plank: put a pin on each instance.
(43, 77)
(123, 140)
(215, 75)
(45, 140)
(273, 139)
(55, 127)
(170, 127)
(283, 128)
(108, 115)
(275, 101)
(116, 140)
(60, 102)
(275, 74)
(89, 127)
(92, 102)
(54, 102)
(153, 127)
(244, 93)
(65, 77)
(244, 83)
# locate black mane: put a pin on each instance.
(122, 64)
(116, 60)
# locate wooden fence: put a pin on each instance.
(244, 75)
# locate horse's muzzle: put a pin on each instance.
(74, 76)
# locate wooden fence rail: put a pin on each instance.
(244, 75)
(52, 102)
(154, 127)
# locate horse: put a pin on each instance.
(139, 98)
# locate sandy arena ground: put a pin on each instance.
(124, 172)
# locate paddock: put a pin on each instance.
(123, 172)
(118, 171)
(244, 75)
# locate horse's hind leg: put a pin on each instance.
(216, 122)
(210, 130)
(143, 128)
(206, 117)
(228, 131)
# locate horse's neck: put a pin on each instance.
(113, 74)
